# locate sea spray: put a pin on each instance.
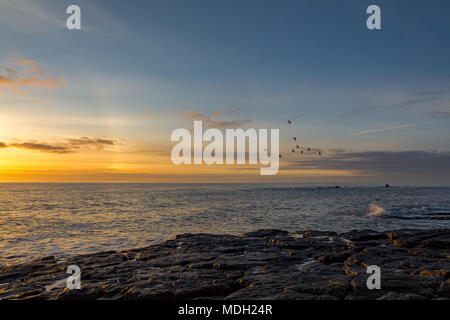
(375, 210)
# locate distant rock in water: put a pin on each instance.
(387, 185)
(264, 264)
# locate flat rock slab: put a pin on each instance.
(265, 264)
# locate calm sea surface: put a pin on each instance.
(38, 220)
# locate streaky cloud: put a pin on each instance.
(382, 129)
(71, 145)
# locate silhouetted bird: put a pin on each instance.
(309, 149)
(293, 150)
(302, 151)
(289, 121)
(297, 146)
(320, 153)
(295, 139)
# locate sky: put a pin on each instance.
(100, 103)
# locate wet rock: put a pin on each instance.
(363, 235)
(265, 264)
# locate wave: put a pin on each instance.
(413, 213)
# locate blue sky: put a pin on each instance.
(139, 63)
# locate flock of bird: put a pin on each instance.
(305, 150)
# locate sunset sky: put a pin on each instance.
(99, 104)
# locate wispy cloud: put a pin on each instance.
(382, 129)
(294, 117)
(28, 15)
(70, 145)
(421, 98)
(424, 101)
(6, 82)
(35, 70)
(26, 73)
(43, 147)
(32, 82)
(31, 17)
(98, 143)
(25, 62)
(440, 114)
(212, 120)
(10, 70)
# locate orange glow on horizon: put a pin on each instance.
(17, 165)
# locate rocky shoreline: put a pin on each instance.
(266, 264)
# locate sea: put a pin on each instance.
(66, 219)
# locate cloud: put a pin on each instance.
(35, 70)
(294, 117)
(407, 165)
(382, 130)
(43, 83)
(6, 82)
(29, 66)
(27, 73)
(17, 90)
(70, 145)
(23, 61)
(336, 150)
(430, 93)
(28, 15)
(424, 101)
(440, 114)
(11, 70)
(98, 143)
(32, 82)
(43, 147)
(190, 115)
(49, 17)
(421, 98)
(20, 76)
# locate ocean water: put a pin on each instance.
(38, 220)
